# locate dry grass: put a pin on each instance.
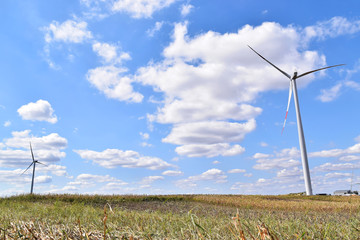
(179, 217)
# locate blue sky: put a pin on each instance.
(165, 97)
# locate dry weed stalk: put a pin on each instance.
(105, 218)
(263, 233)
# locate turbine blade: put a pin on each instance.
(287, 75)
(301, 75)
(32, 154)
(288, 105)
(42, 163)
(27, 168)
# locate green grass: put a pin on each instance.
(179, 217)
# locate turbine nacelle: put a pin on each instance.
(295, 75)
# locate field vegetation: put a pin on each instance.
(179, 217)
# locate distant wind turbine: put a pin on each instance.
(293, 88)
(34, 162)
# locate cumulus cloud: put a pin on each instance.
(110, 81)
(328, 167)
(211, 80)
(140, 8)
(88, 180)
(355, 149)
(215, 175)
(213, 77)
(151, 32)
(69, 31)
(150, 179)
(43, 179)
(47, 149)
(57, 170)
(237, 171)
(186, 9)
(14, 177)
(286, 158)
(266, 185)
(38, 111)
(334, 27)
(111, 78)
(109, 53)
(172, 173)
(328, 95)
(209, 138)
(111, 158)
(144, 136)
(7, 124)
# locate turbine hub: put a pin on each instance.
(295, 75)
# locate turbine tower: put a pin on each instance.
(293, 88)
(34, 162)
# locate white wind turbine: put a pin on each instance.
(34, 162)
(293, 88)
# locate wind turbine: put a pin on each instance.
(293, 88)
(34, 162)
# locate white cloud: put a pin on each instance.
(334, 92)
(109, 80)
(328, 95)
(328, 167)
(209, 150)
(357, 139)
(13, 177)
(209, 139)
(237, 171)
(180, 111)
(213, 174)
(38, 111)
(150, 179)
(7, 124)
(140, 8)
(47, 149)
(352, 85)
(144, 136)
(261, 155)
(355, 149)
(290, 173)
(111, 158)
(334, 27)
(90, 180)
(43, 179)
(105, 50)
(186, 9)
(151, 32)
(109, 52)
(350, 158)
(337, 175)
(172, 173)
(215, 79)
(286, 158)
(284, 185)
(288, 179)
(57, 170)
(69, 31)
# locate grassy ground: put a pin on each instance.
(179, 217)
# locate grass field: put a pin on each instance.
(179, 217)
